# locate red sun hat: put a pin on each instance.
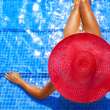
(79, 67)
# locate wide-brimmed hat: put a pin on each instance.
(79, 67)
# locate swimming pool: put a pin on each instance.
(29, 30)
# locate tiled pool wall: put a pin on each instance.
(29, 30)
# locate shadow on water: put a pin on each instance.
(63, 104)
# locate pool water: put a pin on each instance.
(29, 30)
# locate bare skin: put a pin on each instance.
(81, 10)
(36, 92)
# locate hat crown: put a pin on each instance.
(84, 67)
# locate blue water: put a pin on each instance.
(29, 30)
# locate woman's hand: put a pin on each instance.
(13, 77)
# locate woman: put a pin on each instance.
(81, 11)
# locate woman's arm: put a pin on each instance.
(36, 92)
(46, 91)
